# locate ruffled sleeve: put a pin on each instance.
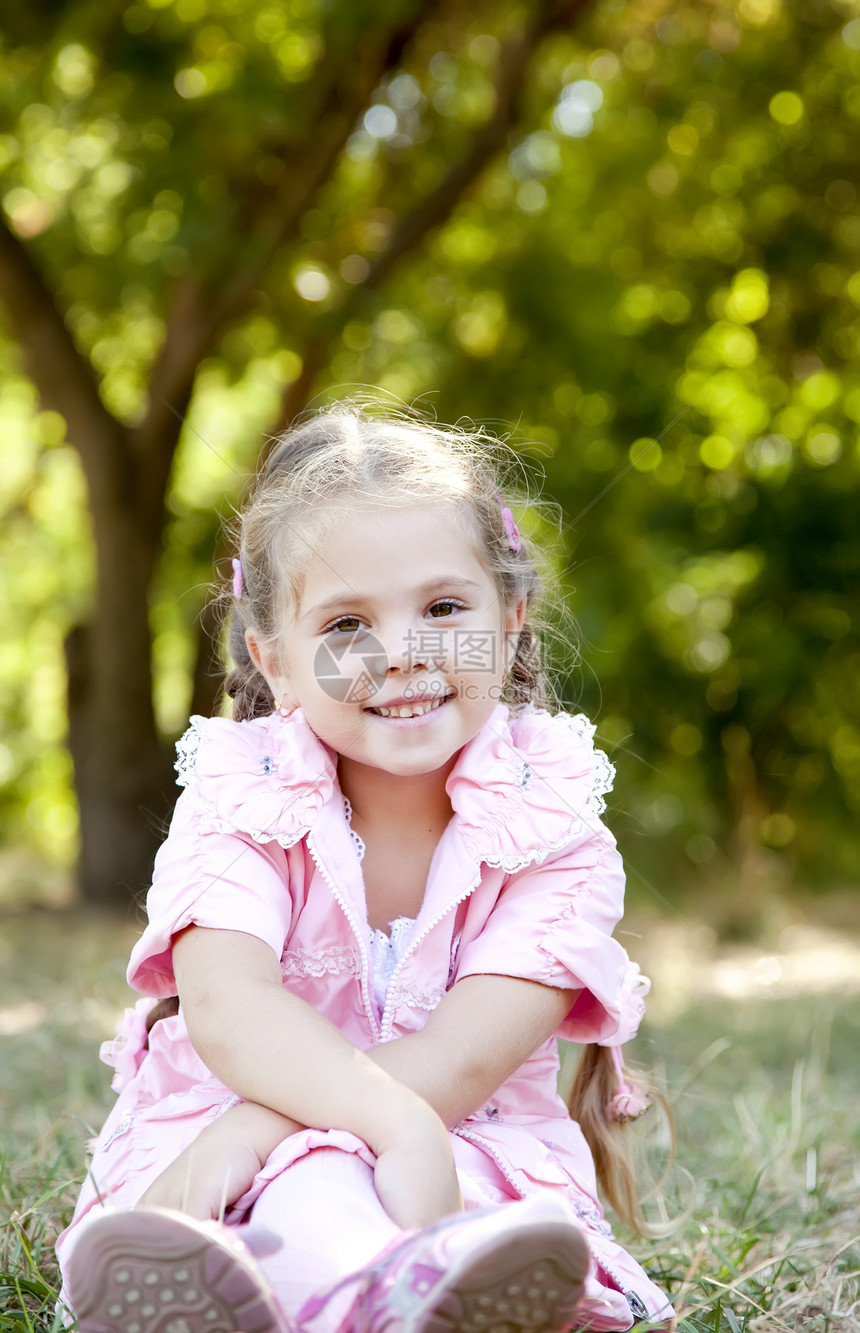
(525, 786)
(554, 918)
(252, 789)
(125, 1052)
(267, 778)
(552, 924)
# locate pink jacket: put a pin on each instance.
(525, 882)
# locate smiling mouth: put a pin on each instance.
(418, 709)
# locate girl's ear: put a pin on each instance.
(256, 654)
(266, 662)
(518, 612)
(514, 620)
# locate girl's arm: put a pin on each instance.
(272, 1048)
(221, 1163)
(477, 1036)
(480, 1032)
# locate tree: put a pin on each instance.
(219, 127)
(632, 234)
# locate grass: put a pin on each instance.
(766, 1110)
(764, 1085)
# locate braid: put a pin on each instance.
(609, 1140)
(526, 676)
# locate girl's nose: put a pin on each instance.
(405, 649)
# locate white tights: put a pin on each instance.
(327, 1213)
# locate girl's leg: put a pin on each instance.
(518, 1264)
(327, 1213)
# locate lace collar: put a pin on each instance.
(521, 788)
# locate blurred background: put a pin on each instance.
(626, 235)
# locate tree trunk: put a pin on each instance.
(123, 774)
(123, 771)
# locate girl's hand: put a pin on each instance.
(204, 1180)
(220, 1165)
(415, 1176)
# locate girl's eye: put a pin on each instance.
(346, 625)
(441, 609)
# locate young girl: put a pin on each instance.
(385, 892)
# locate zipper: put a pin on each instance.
(388, 1012)
(504, 1167)
(478, 1142)
(637, 1314)
(364, 981)
(637, 1305)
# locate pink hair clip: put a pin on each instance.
(627, 1104)
(238, 583)
(512, 532)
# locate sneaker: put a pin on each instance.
(156, 1271)
(517, 1268)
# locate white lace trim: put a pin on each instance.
(537, 855)
(186, 750)
(386, 952)
(602, 771)
(262, 836)
(594, 806)
(338, 960)
(360, 846)
(602, 779)
(415, 998)
(582, 726)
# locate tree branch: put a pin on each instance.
(429, 214)
(196, 319)
(349, 88)
(436, 207)
(63, 377)
(186, 341)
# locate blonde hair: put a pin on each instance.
(350, 454)
(354, 453)
(594, 1085)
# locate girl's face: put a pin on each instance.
(397, 650)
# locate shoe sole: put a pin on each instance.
(530, 1283)
(155, 1271)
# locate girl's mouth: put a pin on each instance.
(406, 710)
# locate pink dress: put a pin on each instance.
(525, 882)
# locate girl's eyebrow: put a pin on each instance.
(350, 597)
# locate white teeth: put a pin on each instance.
(409, 710)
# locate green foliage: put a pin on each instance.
(655, 288)
(47, 571)
(684, 279)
